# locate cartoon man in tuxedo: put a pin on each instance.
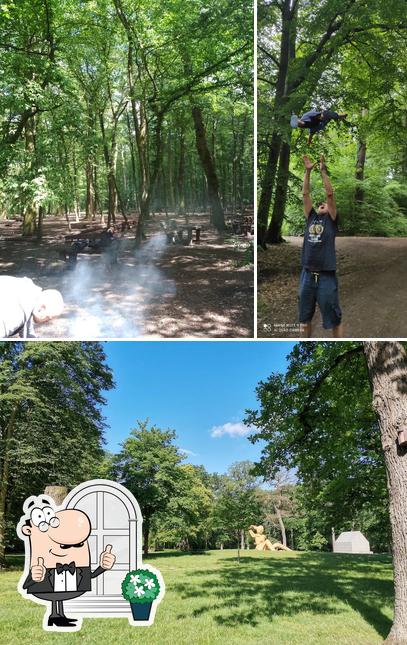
(58, 558)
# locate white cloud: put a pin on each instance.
(188, 452)
(232, 429)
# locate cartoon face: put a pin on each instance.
(60, 536)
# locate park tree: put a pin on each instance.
(345, 55)
(184, 521)
(278, 501)
(51, 423)
(336, 398)
(149, 466)
(237, 503)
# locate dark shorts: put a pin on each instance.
(324, 291)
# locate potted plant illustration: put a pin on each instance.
(141, 587)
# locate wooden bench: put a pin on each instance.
(102, 242)
(182, 234)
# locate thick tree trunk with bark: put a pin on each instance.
(288, 22)
(218, 217)
(387, 365)
(267, 188)
(274, 231)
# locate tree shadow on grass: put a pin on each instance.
(174, 554)
(267, 587)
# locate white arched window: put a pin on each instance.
(116, 519)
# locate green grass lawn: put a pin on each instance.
(298, 598)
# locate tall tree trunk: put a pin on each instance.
(267, 188)
(359, 195)
(274, 231)
(281, 524)
(181, 176)
(170, 174)
(387, 365)
(75, 185)
(5, 469)
(133, 162)
(218, 217)
(146, 534)
(110, 155)
(41, 213)
(90, 208)
(277, 146)
(30, 209)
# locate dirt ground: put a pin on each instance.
(159, 291)
(372, 275)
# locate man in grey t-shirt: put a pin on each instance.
(318, 282)
(22, 303)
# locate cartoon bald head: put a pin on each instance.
(55, 536)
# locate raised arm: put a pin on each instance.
(306, 197)
(330, 199)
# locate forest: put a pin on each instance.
(136, 119)
(349, 57)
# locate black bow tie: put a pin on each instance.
(65, 567)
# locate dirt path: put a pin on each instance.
(372, 275)
(159, 291)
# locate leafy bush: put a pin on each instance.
(140, 586)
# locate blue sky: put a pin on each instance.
(199, 389)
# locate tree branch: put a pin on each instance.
(315, 389)
(22, 50)
(267, 53)
(182, 91)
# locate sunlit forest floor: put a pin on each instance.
(282, 598)
(161, 290)
(372, 274)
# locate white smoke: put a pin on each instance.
(112, 302)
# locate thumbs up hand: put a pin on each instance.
(107, 559)
(38, 570)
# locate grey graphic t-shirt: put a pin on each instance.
(318, 250)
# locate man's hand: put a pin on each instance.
(38, 571)
(107, 559)
(322, 165)
(309, 165)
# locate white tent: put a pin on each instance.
(351, 542)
